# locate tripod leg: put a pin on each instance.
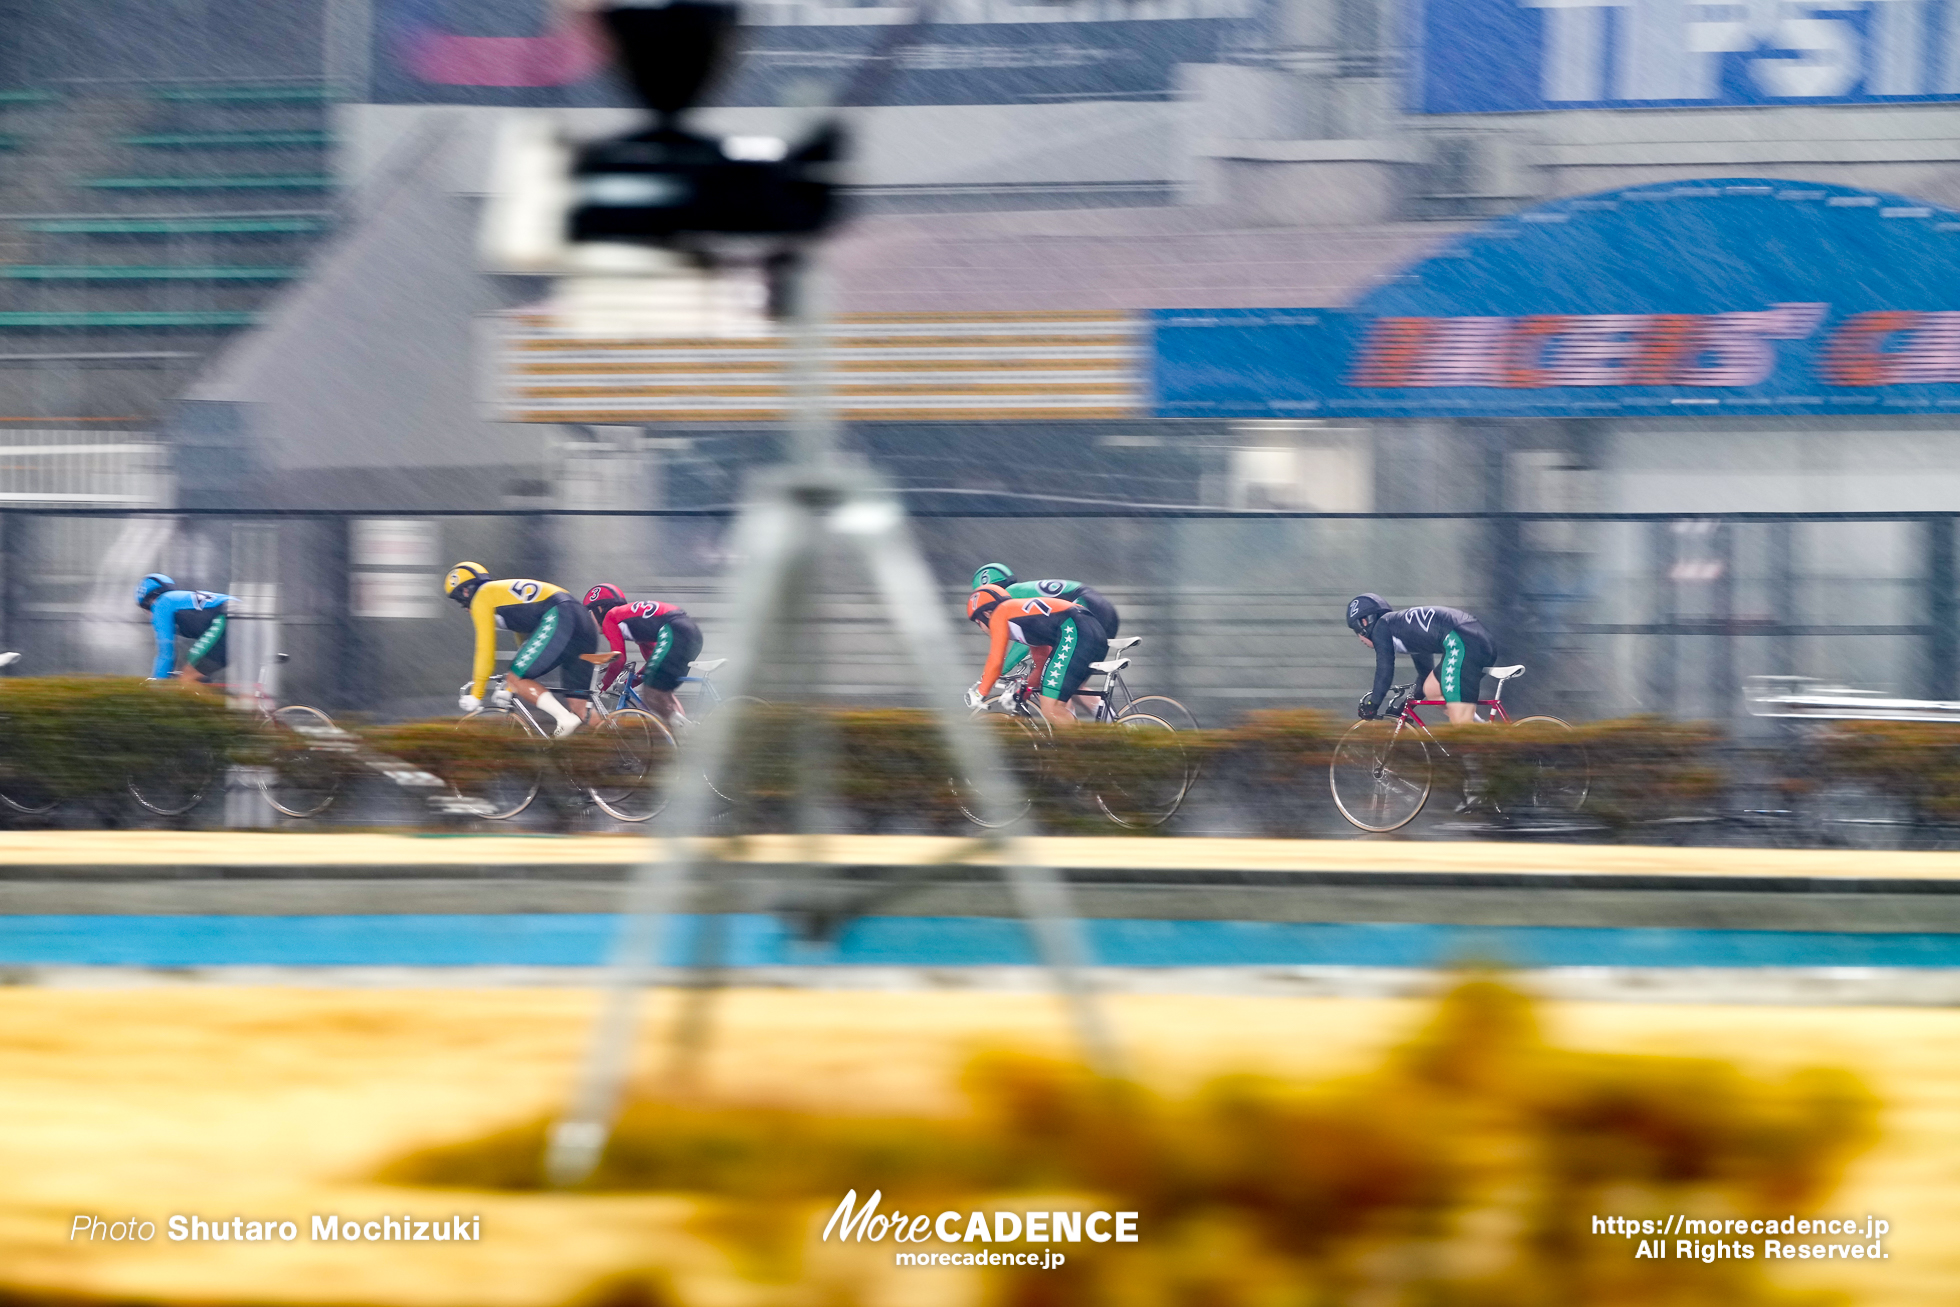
(904, 584)
(775, 537)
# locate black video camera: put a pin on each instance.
(655, 186)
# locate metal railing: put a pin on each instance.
(1613, 613)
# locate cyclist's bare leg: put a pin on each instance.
(664, 704)
(533, 693)
(1055, 710)
(189, 675)
(1458, 713)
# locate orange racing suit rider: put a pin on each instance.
(1063, 639)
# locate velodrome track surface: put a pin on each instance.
(1774, 925)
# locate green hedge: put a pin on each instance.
(81, 738)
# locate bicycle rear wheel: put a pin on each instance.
(1150, 793)
(507, 773)
(302, 780)
(1380, 775)
(625, 765)
(1561, 773)
(25, 794)
(726, 788)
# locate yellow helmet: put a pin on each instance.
(462, 581)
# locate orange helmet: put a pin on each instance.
(981, 603)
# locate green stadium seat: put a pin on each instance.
(237, 182)
(8, 98)
(142, 225)
(134, 272)
(82, 320)
(294, 94)
(268, 140)
(9, 142)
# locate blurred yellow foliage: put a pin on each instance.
(1466, 1170)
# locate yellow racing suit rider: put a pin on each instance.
(555, 628)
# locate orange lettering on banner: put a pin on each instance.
(1666, 342)
(1853, 358)
(1394, 351)
(1523, 363)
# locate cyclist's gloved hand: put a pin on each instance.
(973, 699)
(1366, 710)
(469, 703)
(500, 698)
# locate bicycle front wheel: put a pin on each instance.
(1380, 775)
(502, 768)
(1023, 748)
(172, 788)
(1165, 709)
(1152, 781)
(1560, 772)
(625, 764)
(302, 780)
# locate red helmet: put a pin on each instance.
(602, 598)
(981, 603)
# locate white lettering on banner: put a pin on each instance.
(1671, 49)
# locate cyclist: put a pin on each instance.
(1426, 633)
(556, 630)
(668, 638)
(197, 615)
(1085, 596)
(1063, 638)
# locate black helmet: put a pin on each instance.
(1363, 610)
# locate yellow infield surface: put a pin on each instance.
(309, 849)
(278, 1104)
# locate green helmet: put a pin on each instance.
(993, 574)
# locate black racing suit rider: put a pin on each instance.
(1430, 633)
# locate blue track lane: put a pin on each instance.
(572, 940)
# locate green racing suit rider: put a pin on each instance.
(1074, 592)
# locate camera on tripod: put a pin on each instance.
(665, 184)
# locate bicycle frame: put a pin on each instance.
(626, 691)
(1404, 714)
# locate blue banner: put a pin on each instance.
(1730, 297)
(1507, 56)
(552, 52)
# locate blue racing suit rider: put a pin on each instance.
(1449, 640)
(196, 615)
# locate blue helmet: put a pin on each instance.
(1362, 610)
(151, 586)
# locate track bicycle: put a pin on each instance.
(1382, 771)
(301, 780)
(1135, 802)
(699, 698)
(616, 765)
